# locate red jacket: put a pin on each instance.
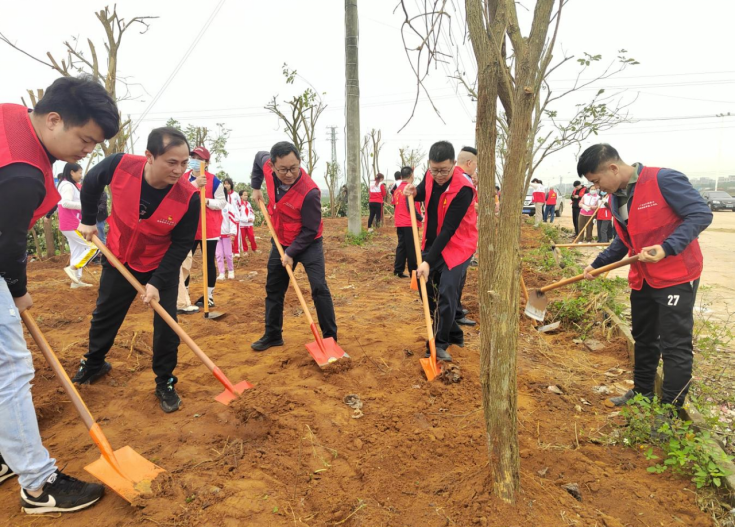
(464, 242)
(213, 217)
(377, 193)
(142, 244)
(604, 211)
(19, 144)
(651, 221)
(402, 218)
(551, 197)
(286, 215)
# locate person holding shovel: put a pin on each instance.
(294, 205)
(153, 220)
(655, 210)
(72, 117)
(449, 239)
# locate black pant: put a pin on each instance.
(662, 326)
(376, 212)
(277, 282)
(604, 230)
(114, 299)
(211, 267)
(575, 214)
(459, 311)
(444, 293)
(406, 255)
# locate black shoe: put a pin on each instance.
(86, 375)
(265, 342)
(458, 343)
(5, 471)
(61, 493)
(466, 322)
(441, 355)
(200, 302)
(623, 399)
(400, 275)
(170, 400)
(465, 312)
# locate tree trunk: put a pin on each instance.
(48, 232)
(36, 243)
(352, 93)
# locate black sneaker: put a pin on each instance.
(265, 342)
(441, 355)
(87, 375)
(400, 275)
(460, 343)
(623, 399)
(170, 400)
(61, 493)
(5, 471)
(200, 302)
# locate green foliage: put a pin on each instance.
(684, 448)
(358, 239)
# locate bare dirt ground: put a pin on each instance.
(290, 452)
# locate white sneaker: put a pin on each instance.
(221, 276)
(231, 275)
(80, 285)
(236, 255)
(187, 310)
(72, 274)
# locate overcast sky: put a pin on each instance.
(685, 79)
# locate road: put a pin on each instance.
(716, 294)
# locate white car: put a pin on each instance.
(528, 207)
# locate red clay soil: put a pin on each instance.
(291, 452)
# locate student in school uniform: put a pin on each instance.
(247, 217)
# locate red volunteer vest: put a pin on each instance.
(286, 215)
(651, 221)
(552, 197)
(579, 192)
(402, 218)
(464, 242)
(142, 244)
(538, 196)
(19, 144)
(604, 211)
(376, 193)
(213, 217)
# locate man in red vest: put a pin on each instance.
(550, 201)
(376, 197)
(216, 202)
(655, 210)
(152, 224)
(449, 239)
(72, 117)
(295, 207)
(406, 254)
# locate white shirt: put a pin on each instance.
(69, 195)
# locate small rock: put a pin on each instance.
(594, 345)
(215, 490)
(358, 443)
(440, 435)
(578, 408)
(573, 490)
(252, 274)
(543, 472)
(601, 390)
(585, 402)
(577, 341)
(353, 401)
(554, 389)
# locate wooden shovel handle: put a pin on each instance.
(156, 306)
(423, 280)
(267, 218)
(594, 272)
(59, 371)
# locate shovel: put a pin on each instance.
(323, 351)
(581, 245)
(430, 365)
(231, 391)
(124, 470)
(203, 212)
(536, 306)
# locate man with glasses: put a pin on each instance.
(295, 207)
(449, 239)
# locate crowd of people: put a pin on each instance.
(155, 226)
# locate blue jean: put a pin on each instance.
(20, 440)
(549, 210)
(101, 231)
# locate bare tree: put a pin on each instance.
(300, 118)
(216, 142)
(516, 82)
(332, 177)
(411, 157)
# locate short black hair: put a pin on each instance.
(244, 191)
(156, 140)
(470, 149)
(397, 175)
(498, 188)
(442, 151)
(406, 172)
(594, 156)
(576, 183)
(78, 100)
(66, 175)
(283, 149)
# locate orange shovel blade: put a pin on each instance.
(139, 473)
(226, 397)
(326, 354)
(414, 284)
(430, 365)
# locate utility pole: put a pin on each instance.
(352, 108)
(333, 140)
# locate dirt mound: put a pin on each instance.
(290, 451)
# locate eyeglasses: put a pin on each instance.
(443, 172)
(283, 171)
